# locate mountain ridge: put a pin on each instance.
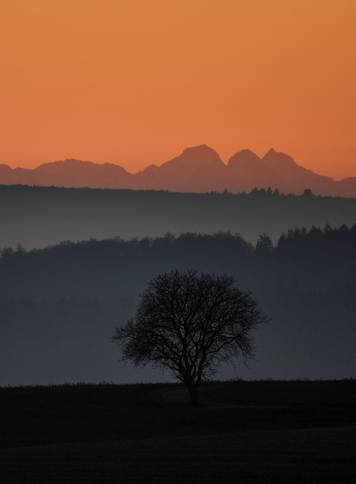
(197, 169)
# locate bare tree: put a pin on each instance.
(190, 323)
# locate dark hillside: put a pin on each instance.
(59, 306)
(37, 217)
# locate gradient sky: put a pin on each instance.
(135, 81)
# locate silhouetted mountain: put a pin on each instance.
(83, 174)
(8, 176)
(279, 171)
(68, 173)
(196, 169)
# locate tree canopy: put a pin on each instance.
(190, 322)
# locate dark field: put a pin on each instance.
(253, 432)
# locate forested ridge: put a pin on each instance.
(37, 216)
(59, 305)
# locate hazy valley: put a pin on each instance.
(36, 217)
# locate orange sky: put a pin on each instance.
(135, 81)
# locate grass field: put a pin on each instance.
(248, 432)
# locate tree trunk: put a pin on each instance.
(193, 394)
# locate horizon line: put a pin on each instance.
(158, 165)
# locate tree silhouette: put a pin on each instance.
(264, 244)
(190, 322)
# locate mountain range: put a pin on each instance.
(196, 169)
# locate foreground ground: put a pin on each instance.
(248, 432)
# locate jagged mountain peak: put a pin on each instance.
(198, 155)
(196, 169)
(243, 158)
(199, 149)
(278, 157)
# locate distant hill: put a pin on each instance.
(39, 216)
(59, 306)
(196, 169)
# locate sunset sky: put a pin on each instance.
(135, 81)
